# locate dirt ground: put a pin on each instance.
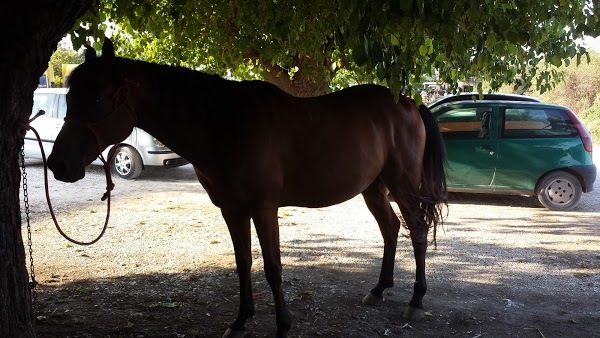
(504, 267)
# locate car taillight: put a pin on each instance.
(586, 138)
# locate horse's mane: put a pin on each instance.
(176, 84)
(91, 69)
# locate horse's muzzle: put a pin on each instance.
(65, 171)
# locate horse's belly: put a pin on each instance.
(321, 189)
(312, 202)
(332, 173)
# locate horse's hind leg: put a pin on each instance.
(415, 220)
(238, 223)
(376, 198)
(405, 190)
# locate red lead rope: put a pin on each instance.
(109, 184)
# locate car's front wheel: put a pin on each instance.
(127, 163)
(559, 191)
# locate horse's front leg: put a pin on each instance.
(267, 229)
(238, 223)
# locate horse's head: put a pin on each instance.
(99, 114)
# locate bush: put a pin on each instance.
(591, 119)
(580, 87)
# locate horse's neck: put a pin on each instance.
(173, 105)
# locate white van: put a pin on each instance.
(136, 152)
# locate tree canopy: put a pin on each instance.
(391, 42)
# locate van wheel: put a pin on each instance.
(559, 191)
(127, 163)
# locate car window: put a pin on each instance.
(62, 106)
(536, 122)
(466, 123)
(42, 101)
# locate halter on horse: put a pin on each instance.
(255, 148)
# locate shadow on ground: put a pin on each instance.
(493, 199)
(468, 297)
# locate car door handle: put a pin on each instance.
(488, 147)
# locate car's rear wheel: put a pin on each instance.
(127, 163)
(559, 191)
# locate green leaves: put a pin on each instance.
(427, 48)
(394, 43)
(556, 60)
(359, 55)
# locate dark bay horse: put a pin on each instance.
(255, 148)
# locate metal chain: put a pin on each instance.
(32, 282)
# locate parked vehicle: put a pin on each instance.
(136, 152)
(517, 146)
(474, 96)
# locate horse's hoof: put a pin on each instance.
(413, 314)
(234, 333)
(371, 299)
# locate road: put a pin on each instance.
(504, 267)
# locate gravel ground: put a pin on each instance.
(504, 266)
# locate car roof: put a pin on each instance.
(514, 103)
(492, 96)
(51, 90)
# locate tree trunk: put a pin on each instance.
(31, 33)
(301, 84)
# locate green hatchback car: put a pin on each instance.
(522, 147)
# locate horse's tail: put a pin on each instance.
(433, 177)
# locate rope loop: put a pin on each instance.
(109, 184)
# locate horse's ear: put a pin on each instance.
(90, 53)
(108, 49)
